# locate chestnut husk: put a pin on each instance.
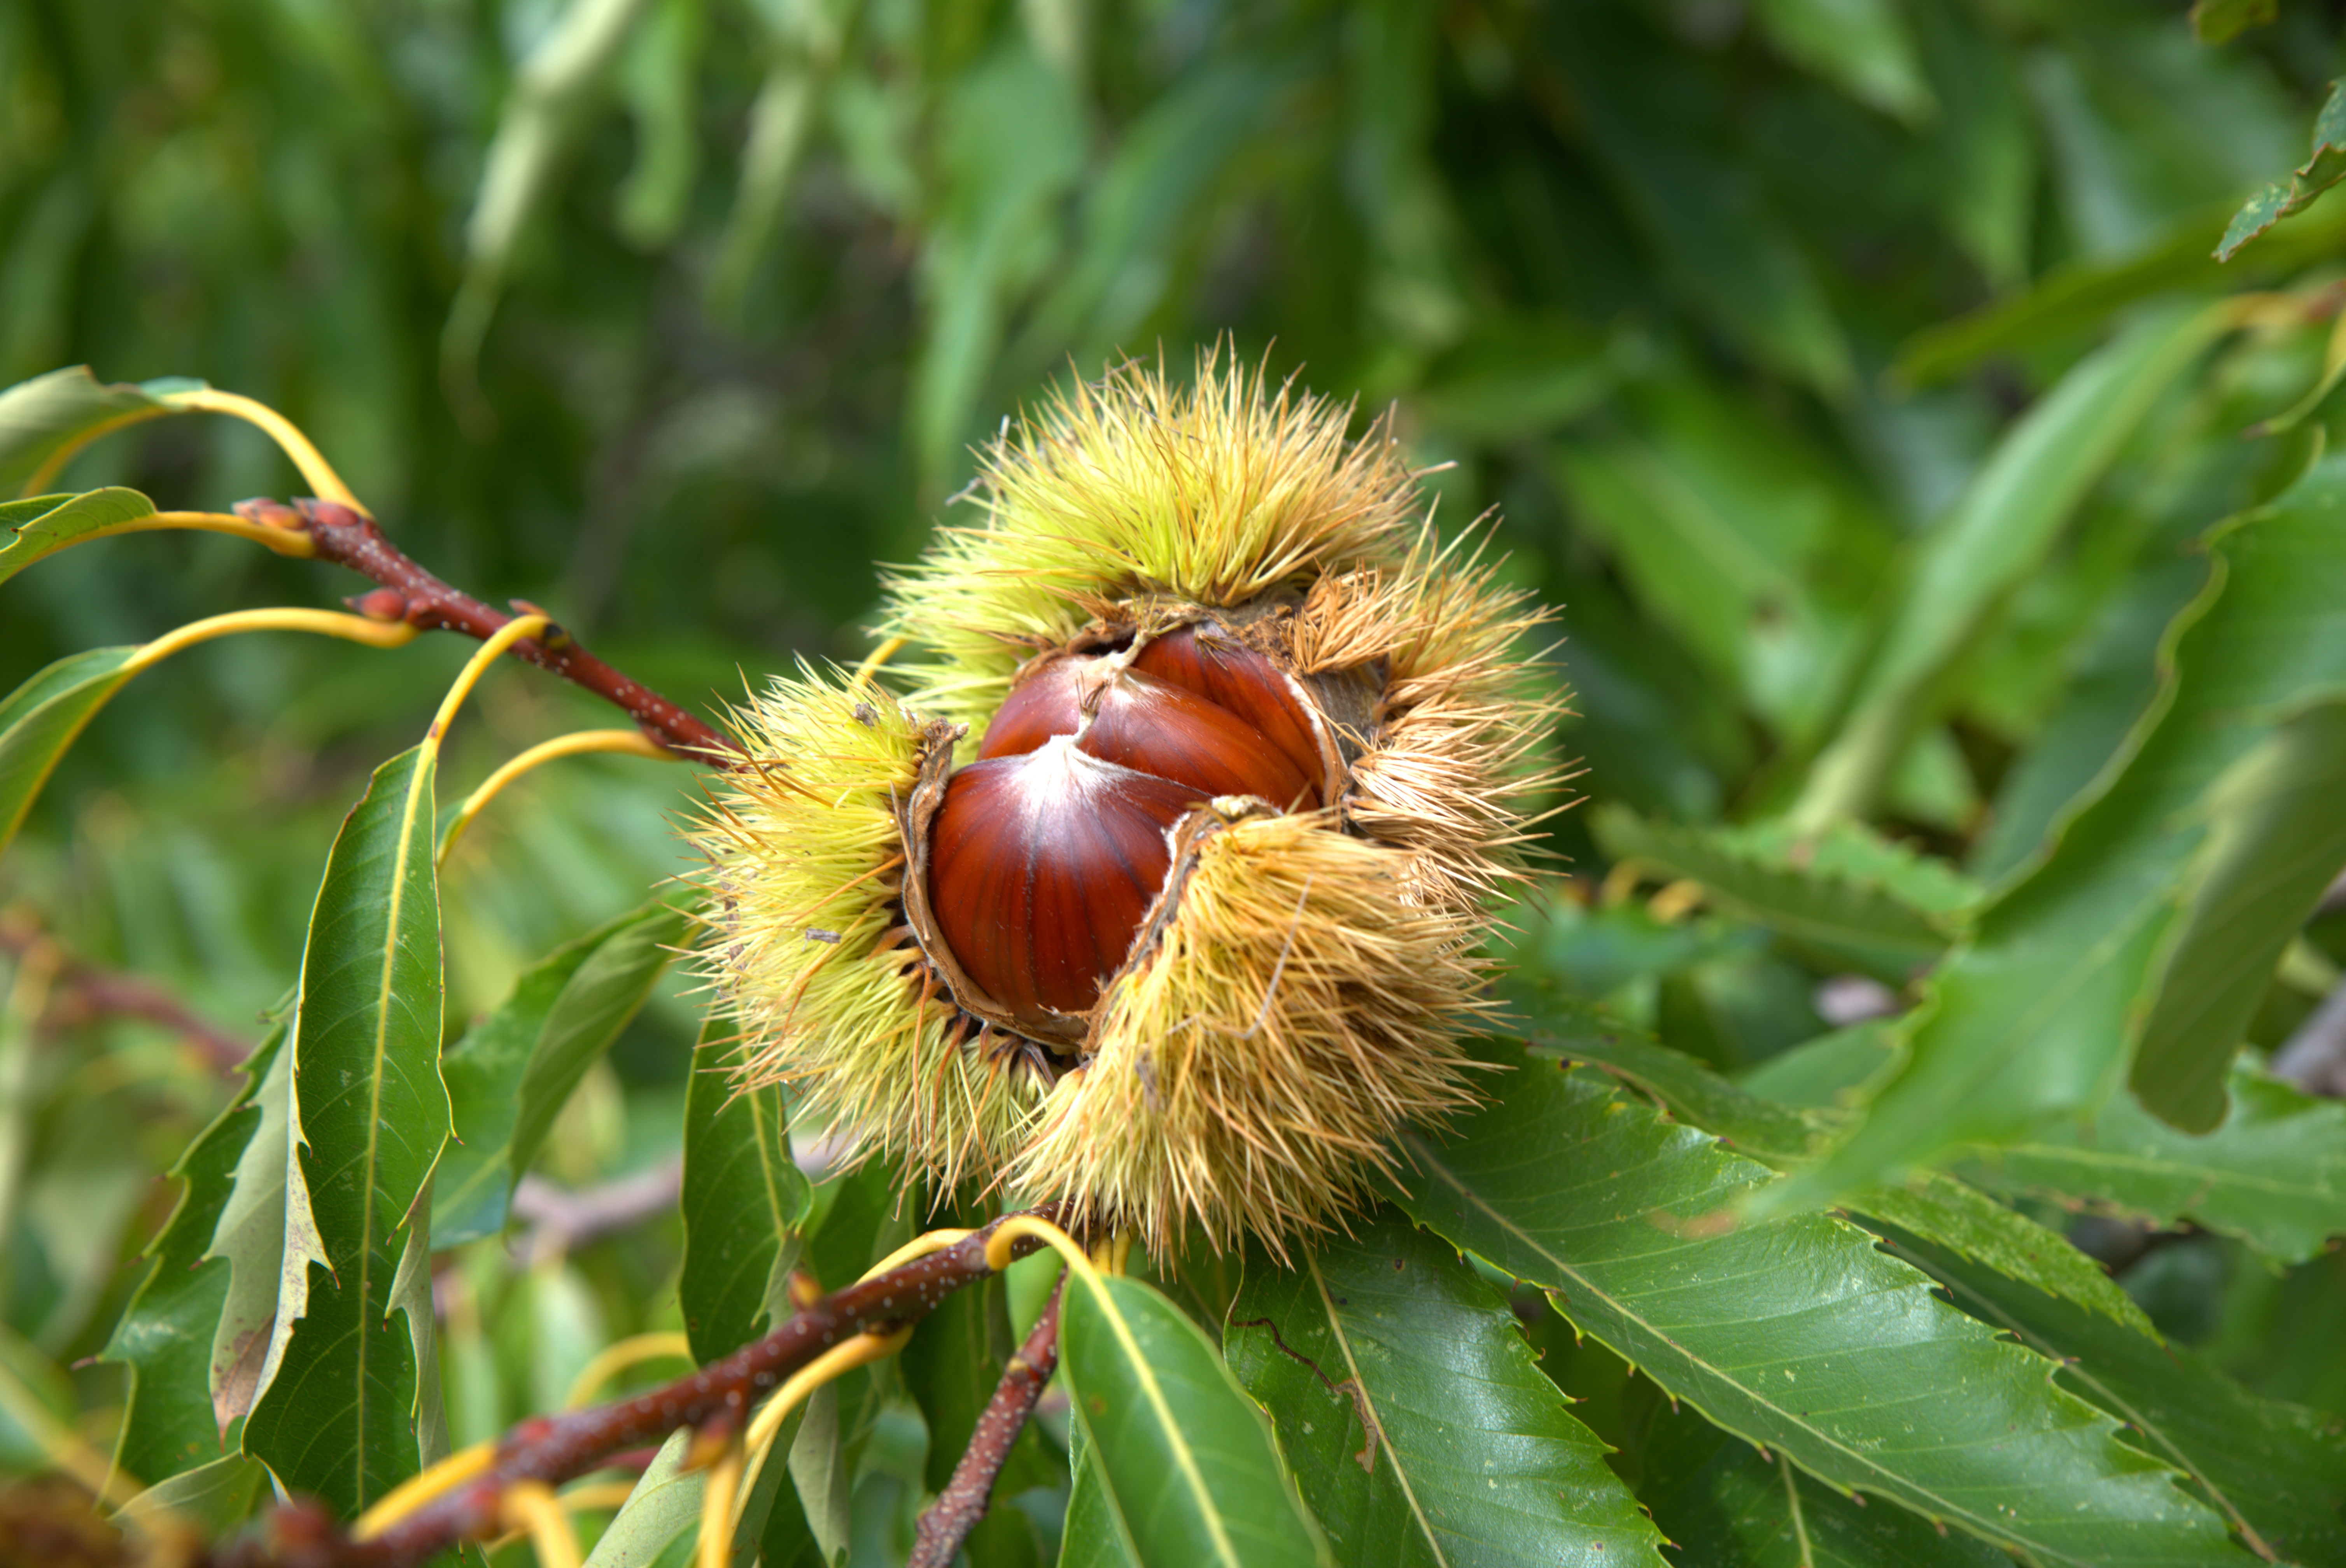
(1034, 868)
(1293, 990)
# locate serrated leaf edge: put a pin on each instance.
(1892, 1484)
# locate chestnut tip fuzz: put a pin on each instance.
(1157, 888)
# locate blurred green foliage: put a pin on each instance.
(680, 316)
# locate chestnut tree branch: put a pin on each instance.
(81, 992)
(558, 1448)
(561, 1219)
(949, 1520)
(2314, 1057)
(408, 593)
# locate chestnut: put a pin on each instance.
(1121, 713)
(1234, 677)
(1042, 866)
(1050, 849)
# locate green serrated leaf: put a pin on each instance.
(2033, 1018)
(1418, 1425)
(1827, 1071)
(2113, 683)
(743, 1204)
(1971, 1224)
(2276, 839)
(1561, 1028)
(249, 1238)
(47, 417)
(513, 1072)
(2267, 206)
(410, 1297)
(1846, 891)
(165, 1335)
(660, 1524)
(2005, 522)
(344, 1406)
(661, 1515)
(1796, 1333)
(214, 1499)
(41, 718)
(2273, 1174)
(1094, 1534)
(474, 1183)
(1722, 1501)
(1938, 1207)
(42, 524)
(1183, 1458)
(2276, 1471)
(608, 990)
(2322, 169)
(822, 1473)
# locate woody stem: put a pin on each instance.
(950, 1518)
(408, 593)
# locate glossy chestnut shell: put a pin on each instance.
(1049, 850)
(1237, 678)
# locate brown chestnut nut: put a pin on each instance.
(1157, 726)
(1049, 702)
(1042, 866)
(1124, 714)
(1232, 676)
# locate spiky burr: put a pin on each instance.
(1157, 889)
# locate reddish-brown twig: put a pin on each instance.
(408, 593)
(560, 1219)
(958, 1508)
(81, 992)
(555, 1449)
